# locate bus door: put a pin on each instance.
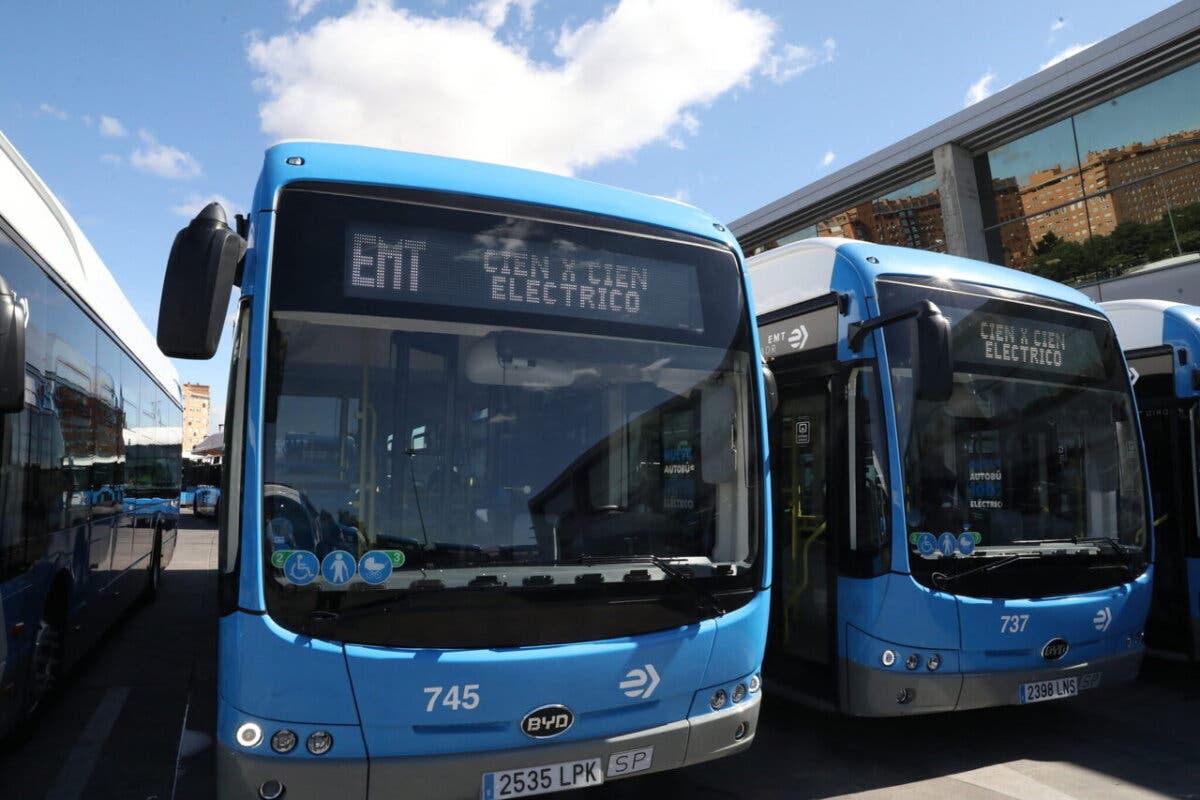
(802, 467)
(1169, 428)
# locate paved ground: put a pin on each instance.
(135, 723)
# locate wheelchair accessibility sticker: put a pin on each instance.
(301, 568)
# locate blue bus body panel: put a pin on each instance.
(1181, 328)
(378, 167)
(269, 672)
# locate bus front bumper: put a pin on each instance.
(872, 692)
(240, 774)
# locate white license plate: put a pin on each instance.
(539, 780)
(1049, 690)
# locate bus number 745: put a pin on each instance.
(1009, 623)
(465, 697)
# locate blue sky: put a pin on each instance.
(135, 118)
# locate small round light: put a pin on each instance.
(934, 662)
(755, 683)
(294, 161)
(319, 742)
(249, 734)
(283, 741)
(888, 657)
(718, 700)
(912, 662)
(742, 729)
(739, 693)
(270, 790)
(904, 696)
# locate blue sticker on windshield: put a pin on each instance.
(338, 568)
(301, 568)
(926, 544)
(375, 567)
(966, 543)
(947, 544)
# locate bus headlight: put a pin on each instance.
(887, 657)
(283, 741)
(755, 683)
(739, 693)
(249, 734)
(934, 662)
(912, 662)
(718, 700)
(319, 742)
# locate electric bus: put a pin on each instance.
(493, 518)
(961, 508)
(90, 439)
(1161, 340)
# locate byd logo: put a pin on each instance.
(1055, 649)
(547, 721)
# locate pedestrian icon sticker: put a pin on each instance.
(375, 567)
(338, 568)
(301, 568)
(947, 544)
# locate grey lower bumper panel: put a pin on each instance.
(876, 693)
(460, 775)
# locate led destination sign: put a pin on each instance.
(983, 338)
(503, 269)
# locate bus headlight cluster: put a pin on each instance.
(249, 734)
(284, 741)
(718, 700)
(319, 742)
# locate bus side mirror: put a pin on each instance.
(12, 350)
(933, 359)
(770, 390)
(196, 288)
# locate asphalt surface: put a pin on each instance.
(135, 721)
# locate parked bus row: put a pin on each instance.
(535, 480)
(497, 459)
(90, 432)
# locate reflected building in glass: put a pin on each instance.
(1088, 168)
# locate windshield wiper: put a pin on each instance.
(942, 580)
(1117, 547)
(705, 600)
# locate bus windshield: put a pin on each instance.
(1034, 457)
(470, 411)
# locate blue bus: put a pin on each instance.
(492, 521)
(959, 489)
(1161, 340)
(90, 438)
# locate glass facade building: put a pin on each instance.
(1077, 183)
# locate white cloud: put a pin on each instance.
(493, 13)
(1058, 25)
(47, 110)
(980, 89)
(298, 9)
(163, 160)
(793, 59)
(827, 159)
(389, 77)
(1065, 54)
(111, 126)
(191, 205)
(112, 158)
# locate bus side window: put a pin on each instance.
(869, 532)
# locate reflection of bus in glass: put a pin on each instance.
(959, 493)
(1162, 344)
(198, 473)
(492, 521)
(89, 446)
